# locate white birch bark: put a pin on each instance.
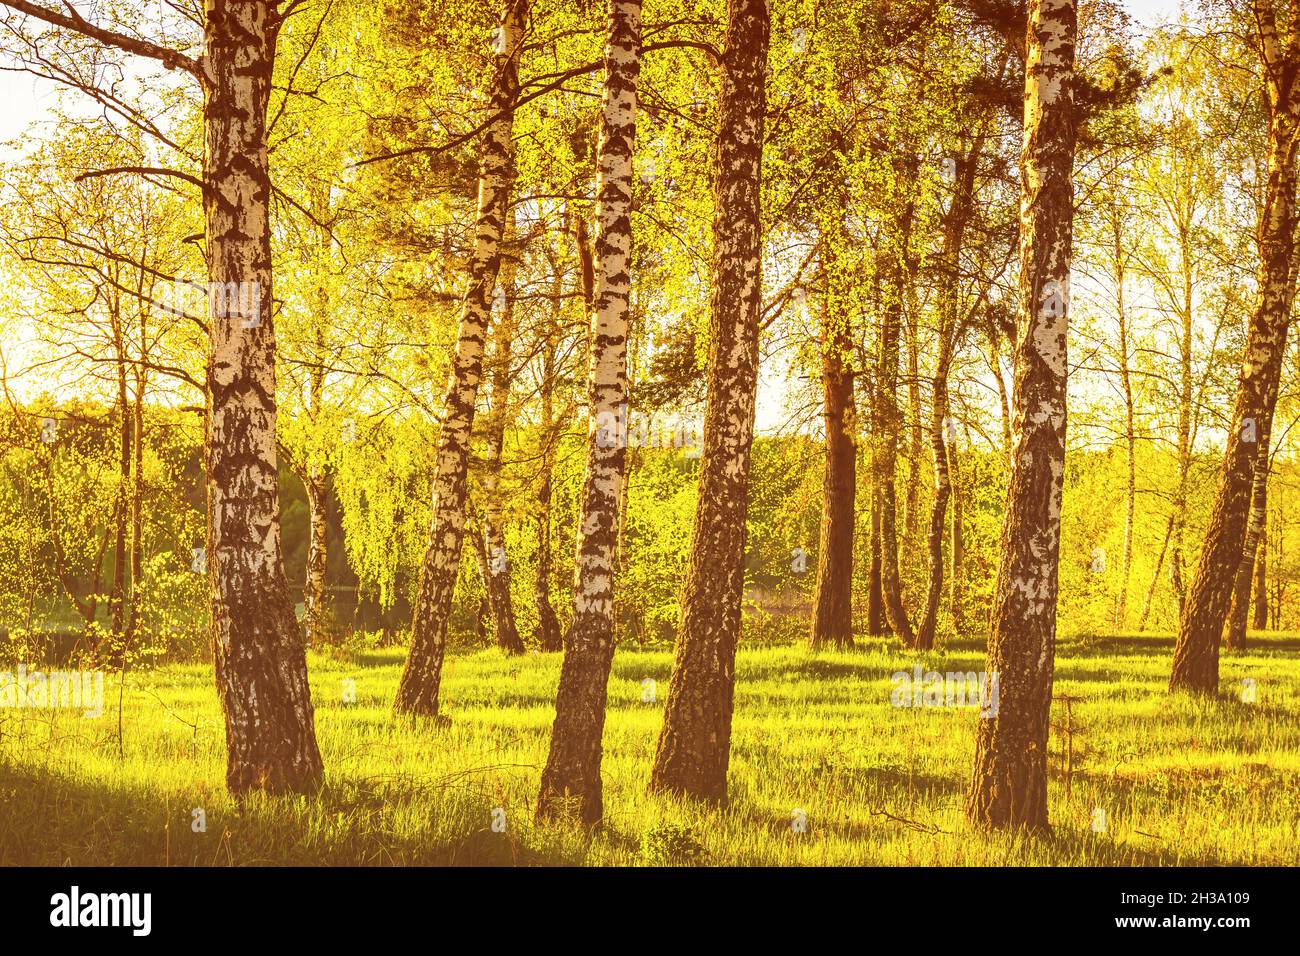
(417, 693)
(572, 770)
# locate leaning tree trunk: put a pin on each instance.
(261, 664)
(1234, 636)
(1009, 784)
(417, 694)
(833, 599)
(695, 744)
(1200, 627)
(571, 779)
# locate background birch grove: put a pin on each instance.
(697, 363)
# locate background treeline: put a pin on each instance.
(890, 188)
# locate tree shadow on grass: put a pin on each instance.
(52, 819)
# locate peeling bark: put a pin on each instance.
(695, 744)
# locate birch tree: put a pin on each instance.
(1009, 784)
(695, 743)
(260, 661)
(417, 694)
(572, 772)
(1200, 627)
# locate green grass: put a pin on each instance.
(1181, 780)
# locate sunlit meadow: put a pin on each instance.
(824, 770)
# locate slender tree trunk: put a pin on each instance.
(1130, 432)
(121, 512)
(1196, 654)
(137, 491)
(1234, 636)
(833, 599)
(925, 631)
(1259, 616)
(876, 626)
(1009, 784)
(549, 636)
(421, 680)
(957, 546)
(315, 476)
(942, 428)
(995, 363)
(912, 505)
(497, 579)
(261, 664)
(889, 416)
(313, 596)
(1155, 574)
(572, 772)
(695, 744)
(1184, 433)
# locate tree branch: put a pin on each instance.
(72, 20)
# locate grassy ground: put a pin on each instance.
(1181, 781)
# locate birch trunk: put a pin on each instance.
(1196, 654)
(695, 744)
(261, 664)
(496, 579)
(417, 694)
(1009, 784)
(1259, 614)
(1234, 636)
(571, 781)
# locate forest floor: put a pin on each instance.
(824, 769)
